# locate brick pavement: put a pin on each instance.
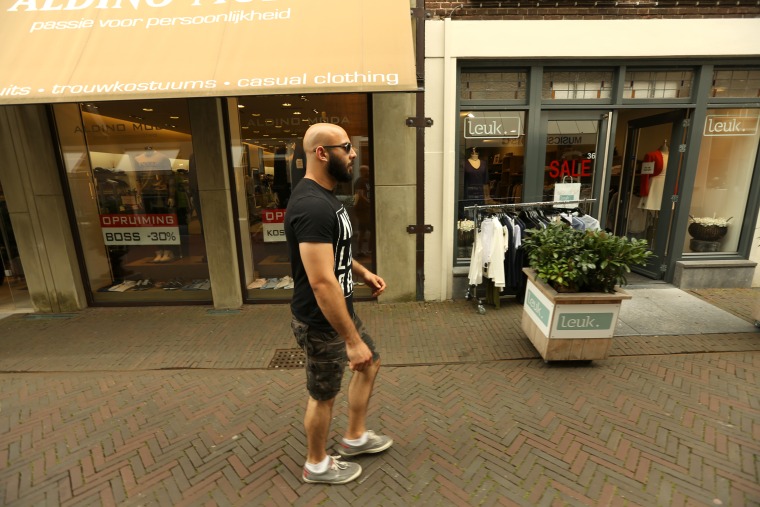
(672, 430)
(176, 406)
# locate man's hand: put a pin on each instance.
(359, 355)
(375, 282)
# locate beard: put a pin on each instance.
(338, 170)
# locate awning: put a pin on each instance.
(80, 50)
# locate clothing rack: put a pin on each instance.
(476, 210)
(517, 205)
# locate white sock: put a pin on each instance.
(319, 468)
(359, 441)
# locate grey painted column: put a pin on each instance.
(395, 193)
(212, 169)
(34, 195)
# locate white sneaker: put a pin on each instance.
(167, 257)
(257, 283)
(284, 282)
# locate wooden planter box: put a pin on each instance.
(569, 326)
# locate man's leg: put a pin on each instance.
(359, 440)
(359, 393)
(319, 467)
(317, 426)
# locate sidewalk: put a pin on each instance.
(188, 406)
(655, 321)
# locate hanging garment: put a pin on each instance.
(487, 256)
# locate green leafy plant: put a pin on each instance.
(582, 261)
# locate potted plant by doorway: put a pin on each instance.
(573, 295)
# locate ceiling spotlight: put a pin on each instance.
(174, 117)
(147, 109)
(297, 113)
(241, 106)
(255, 114)
(286, 104)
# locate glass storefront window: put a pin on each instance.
(577, 85)
(736, 83)
(493, 85)
(571, 148)
(131, 174)
(14, 295)
(491, 166)
(269, 161)
(641, 84)
(724, 175)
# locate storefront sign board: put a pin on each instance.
(142, 229)
(726, 125)
(81, 50)
(273, 225)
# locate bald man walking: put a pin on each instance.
(318, 230)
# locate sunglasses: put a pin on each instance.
(346, 146)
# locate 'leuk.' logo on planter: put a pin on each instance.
(584, 321)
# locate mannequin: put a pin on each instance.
(476, 189)
(652, 185)
(156, 183)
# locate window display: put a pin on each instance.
(724, 175)
(131, 174)
(491, 167)
(269, 162)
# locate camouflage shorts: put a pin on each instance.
(326, 357)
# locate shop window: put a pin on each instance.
(736, 83)
(491, 167)
(269, 162)
(724, 176)
(132, 180)
(577, 85)
(675, 84)
(571, 147)
(493, 85)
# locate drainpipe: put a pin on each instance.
(420, 123)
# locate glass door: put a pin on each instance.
(644, 194)
(575, 147)
(14, 295)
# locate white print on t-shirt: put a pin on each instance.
(343, 258)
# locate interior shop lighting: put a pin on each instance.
(286, 104)
(147, 109)
(241, 106)
(297, 113)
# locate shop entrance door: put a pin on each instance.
(14, 295)
(644, 188)
(575, 148)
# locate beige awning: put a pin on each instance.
(78, 50)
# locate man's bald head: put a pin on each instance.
(321, 134)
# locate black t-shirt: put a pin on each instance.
(315, 215)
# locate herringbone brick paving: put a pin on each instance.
(176, 406)
(668, 430)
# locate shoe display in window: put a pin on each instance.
(257, 283)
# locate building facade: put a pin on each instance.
(151, 147)
(156, 178)
(654, 125)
